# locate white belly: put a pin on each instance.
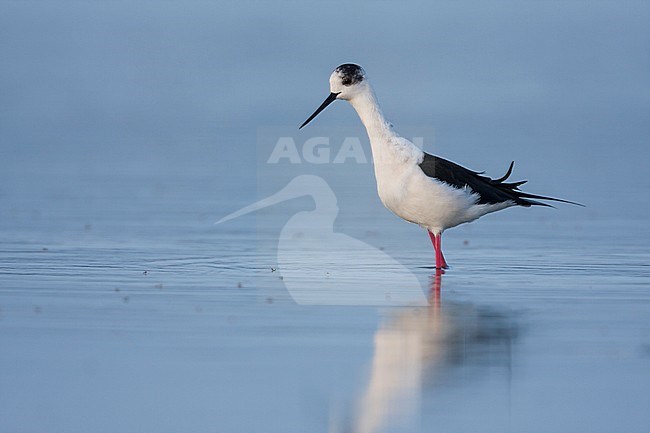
(410, 194)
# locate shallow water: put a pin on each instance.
(124, 308)
(128, 128)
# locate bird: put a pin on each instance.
(322, 267)
(435, 193)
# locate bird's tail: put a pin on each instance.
(524, 198)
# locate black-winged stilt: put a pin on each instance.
(423, 189)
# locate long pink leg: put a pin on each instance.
(436, 240)
(443, 262)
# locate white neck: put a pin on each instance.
(366, 106)
(387, 146)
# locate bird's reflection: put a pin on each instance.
(416, 347)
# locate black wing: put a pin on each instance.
(489, 191)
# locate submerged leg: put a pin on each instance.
(436, 240)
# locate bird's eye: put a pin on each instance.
(346, 81)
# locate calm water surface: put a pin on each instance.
(128, 128)
(124, 308)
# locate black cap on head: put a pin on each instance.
(350, 74)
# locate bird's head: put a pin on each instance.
(347, 81)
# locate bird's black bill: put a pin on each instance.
(331, 98)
